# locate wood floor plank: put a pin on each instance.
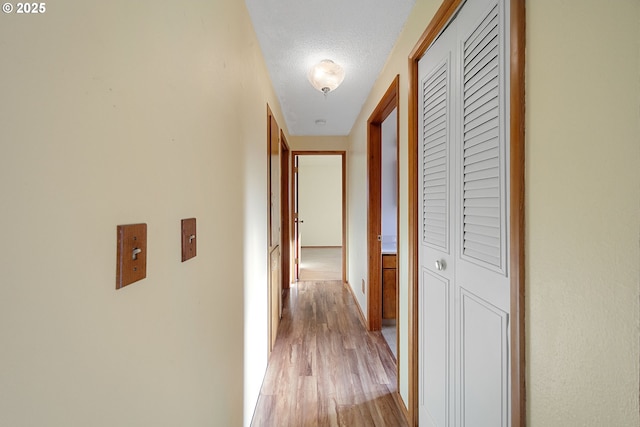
(326, 369)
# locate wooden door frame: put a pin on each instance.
(271, 121)
(273, 130)
(343, 155)
(516, 207)
(285, 213)
(390, 101)
(295, 225)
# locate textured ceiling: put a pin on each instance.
(296, 34)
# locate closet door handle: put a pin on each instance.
(440, 265)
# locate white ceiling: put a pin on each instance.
(296, 34)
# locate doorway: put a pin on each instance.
(389, 229)
(387, 106)
(319, 237)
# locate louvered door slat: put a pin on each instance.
(485, 221)
(482, 78)
(471, 176)
(487, 245)
(437, 116)
(435, 162)
(483, 107)
(438, 101)
(479, 165)
(436, 176)
(479, 62)
(434, 86)
(483, 203)
(482, 193)
(431, 130)
(489, 212)
(487, 139)
(480, 155)
(439, 149)
(479, 125)
(481, 144)
(481, 207)
(480, 230)
(481, 97)
(475, 39)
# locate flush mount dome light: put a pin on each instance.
(326, 76)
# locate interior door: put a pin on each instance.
(285, 215)
(464, 288)
(274, 237)
(436, 295)
(296, 219)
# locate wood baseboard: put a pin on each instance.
(355, 300)
(321, 247)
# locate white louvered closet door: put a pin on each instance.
(464, 285)
(436, 109)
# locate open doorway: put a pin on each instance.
(382, 218)
(319, 215)
(389, 229)
(379, 267)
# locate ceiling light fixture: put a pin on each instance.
(326, 76)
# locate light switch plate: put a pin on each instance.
(131, 263)
(188, 238)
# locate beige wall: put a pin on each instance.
(320, 200)
(318, 143)
(583, 207)
(583, 213)
(357, 177)
(114, 113)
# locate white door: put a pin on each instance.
(464, 290)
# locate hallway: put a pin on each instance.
(326, 369)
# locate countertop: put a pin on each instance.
(389, 248)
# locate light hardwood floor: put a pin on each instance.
(323, 263)
(326, 369)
